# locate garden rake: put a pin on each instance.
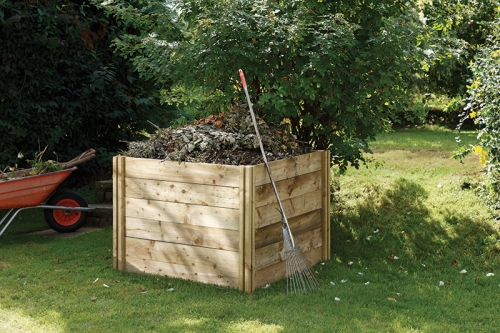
(300, 277)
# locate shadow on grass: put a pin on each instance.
(398, 221)
(52, 282)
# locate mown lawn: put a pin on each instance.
(412, 251)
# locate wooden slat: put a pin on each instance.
(277, 271)
(119, 212)
(147, 266)
(222, 239)
(298, 225)
(196, 259)
(288, 188)
(325, 209)
(249, 231)
(215, 217)
(241, 231)
(196, 194)
(288, 168)
(274, 253)
(266, 215)
(196, 173)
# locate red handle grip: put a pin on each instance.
(242, 78)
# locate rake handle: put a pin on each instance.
(282, 211)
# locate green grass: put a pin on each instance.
(426, 137)
(410, 203)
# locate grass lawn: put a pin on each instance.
(411, 251)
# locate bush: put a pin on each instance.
(62, 86)
(483, 106)
(337, 70)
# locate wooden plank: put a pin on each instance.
(197, 259)
(325, 209)
(288, 188)
(215, 238)
(215, 217)
(147, 266)
(196, 194)
(249, 212)
(115, 212)
(277, 271)
(266, 215)
(299, 225)
(288, 168)
(185, 172)
(119, 212)
(274, 253)
(241, 231)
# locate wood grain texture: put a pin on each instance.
(266, 215)
(298, 225)
(274, 253)
(147, 266)
(207, 216)
(179, 233)
(196, 194)
(185, 172)
(288, 188)
(119, 212)
(249, 231)
(197, 261)
(288, 168)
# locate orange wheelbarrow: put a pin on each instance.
(65, 211)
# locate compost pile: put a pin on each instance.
(227, 138)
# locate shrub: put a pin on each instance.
(483, 106)
(62, 86)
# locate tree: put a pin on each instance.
(62, 85)
(483, 106)
(456, 30)
(338, 71)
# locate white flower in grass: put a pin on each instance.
(490, 274)
(332, 283)
(441, 283)
(337, 299)
(463, 271)
(367, 283)
(343, 281)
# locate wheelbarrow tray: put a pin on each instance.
(32, 190)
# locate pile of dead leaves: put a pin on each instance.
(227, 138)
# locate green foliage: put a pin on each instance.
(483, 105)
(455, 31)
(62, 85)
(338, 71)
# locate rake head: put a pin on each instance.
(300, 278)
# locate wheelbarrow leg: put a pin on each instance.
(11, 218)
(6, 215)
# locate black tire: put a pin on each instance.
(66, 221)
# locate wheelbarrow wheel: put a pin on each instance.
(66, 220)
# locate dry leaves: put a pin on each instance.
(227, 138)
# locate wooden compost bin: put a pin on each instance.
(218, 224)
